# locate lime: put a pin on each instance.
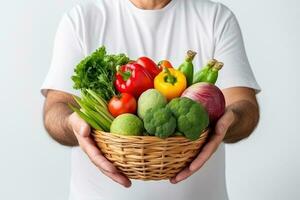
(127, 124)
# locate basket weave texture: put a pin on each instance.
(148, 157)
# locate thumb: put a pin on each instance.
(225, 122)
(79, 126)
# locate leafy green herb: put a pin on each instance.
(97, 72)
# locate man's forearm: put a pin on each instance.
(246, 119)
(55, 121)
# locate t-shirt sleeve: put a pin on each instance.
(67, 53)
(230, 49)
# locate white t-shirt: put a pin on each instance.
(209, 28)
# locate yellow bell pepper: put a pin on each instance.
(170, 82)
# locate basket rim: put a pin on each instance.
(204, 133)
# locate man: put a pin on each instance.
(159, 29)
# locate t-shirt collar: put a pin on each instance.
(156, 11)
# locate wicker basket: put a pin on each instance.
(148, 157)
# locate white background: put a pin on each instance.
(264, 167)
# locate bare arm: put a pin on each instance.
(56, 113)
(69, 129)
(242, 103)
(238, 122)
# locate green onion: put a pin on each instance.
(86, 118)
(93, 109)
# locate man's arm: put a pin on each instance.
(69, 129)
(56, 113)
(242, 102)
(238, 122)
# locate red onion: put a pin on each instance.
(208, 95)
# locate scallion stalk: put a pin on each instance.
(93, 109)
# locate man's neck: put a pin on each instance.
(150, 4)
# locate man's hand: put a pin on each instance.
(69, 129)
(210, 147)
(238, 122)
(82, 132)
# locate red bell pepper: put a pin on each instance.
(132, 78)
(149, 65)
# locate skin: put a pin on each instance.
(69, 129)
(150, 4)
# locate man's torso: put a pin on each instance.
(159, 34)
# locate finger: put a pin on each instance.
(79, 126)
(220, 131)
(103, 164)
(82, 129)
(224, 123)
(119, 178)
(205, 154)
(95, 155)
(185, 173)
(221, 128)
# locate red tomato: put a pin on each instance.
(124, 103)
(149, 65)
(164, 63)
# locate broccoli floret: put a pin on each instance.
(160, 122)
(191, 117)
